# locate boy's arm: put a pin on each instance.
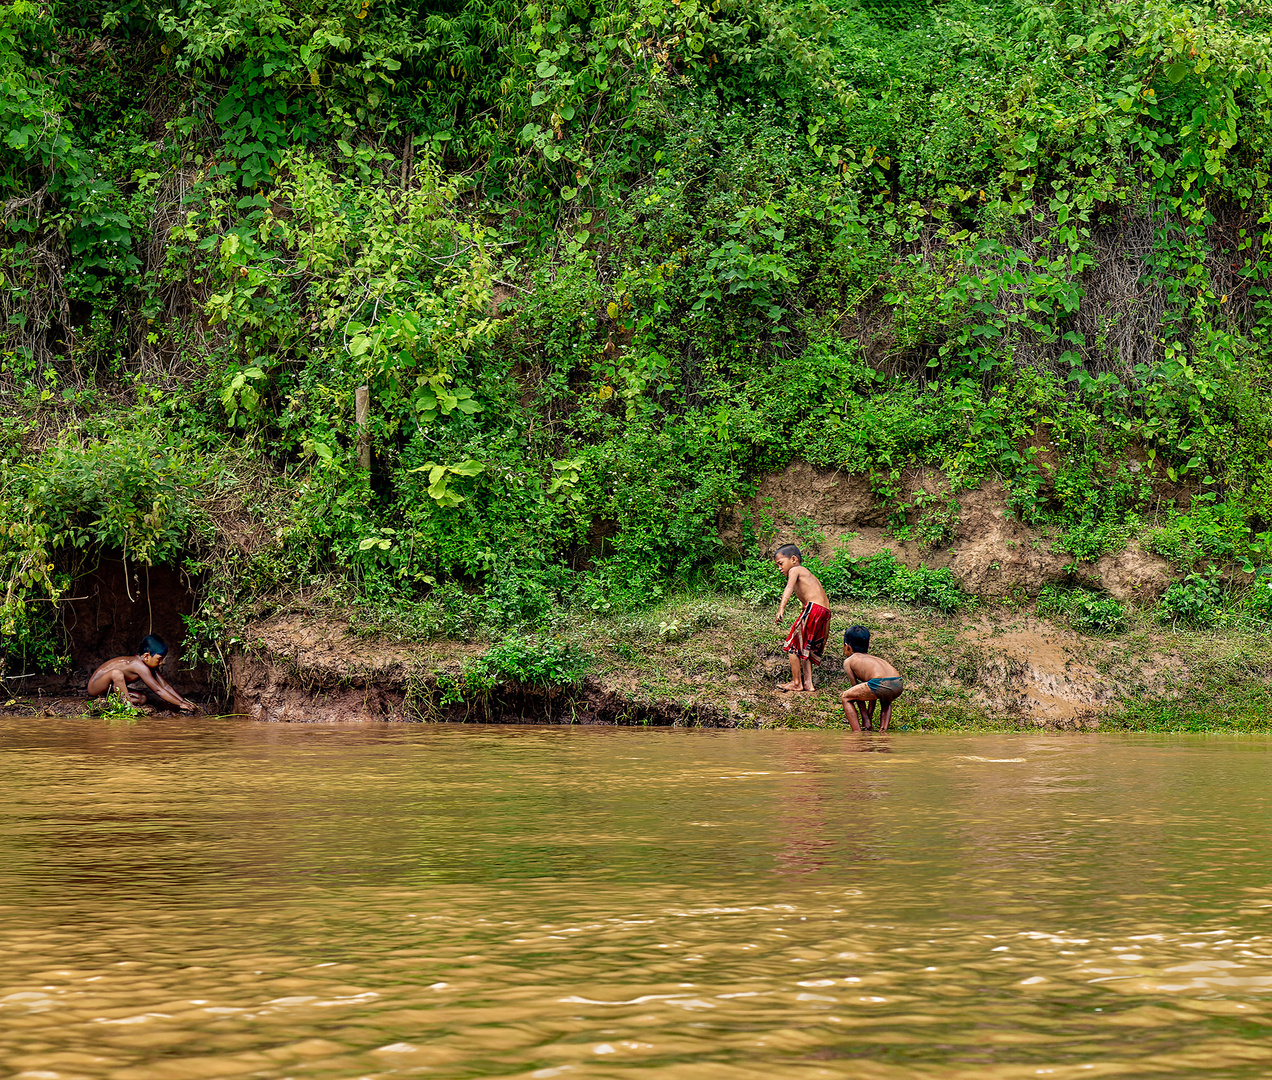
(159, 687)
(791, 578)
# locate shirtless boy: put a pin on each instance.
(142, 668)
(806, 642)
(877, 680)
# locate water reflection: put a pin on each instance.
(187, 899)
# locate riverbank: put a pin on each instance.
(715, 661)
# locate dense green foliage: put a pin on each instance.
(1086, 611)
(600, 264)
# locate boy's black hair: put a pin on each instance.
(154, 645)
(858, 637)
(789, 551)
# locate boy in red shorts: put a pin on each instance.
(807, 640)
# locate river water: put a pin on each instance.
(187, 899)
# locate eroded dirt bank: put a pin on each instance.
(1001, 664)
(298, 670)
(721, 669)
(714, 661)
(718, 661)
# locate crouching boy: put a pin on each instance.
(877, 680)
(142, 668)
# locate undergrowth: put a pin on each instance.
(482, 315)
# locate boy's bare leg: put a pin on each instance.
(851, 711)
(859, 696)
(886, 714)
(806, 670)
(120, 685)
(797, 676)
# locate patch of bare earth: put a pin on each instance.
(313, 670)
(1035, 670)
(992, 553)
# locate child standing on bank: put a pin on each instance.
(806, 641)
(142, 668)
(877, 680)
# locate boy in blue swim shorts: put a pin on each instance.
(877, 680)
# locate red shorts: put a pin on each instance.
(807, 638)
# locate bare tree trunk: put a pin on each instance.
(408, 161)
(361, 417)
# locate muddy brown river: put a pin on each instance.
(190, 899)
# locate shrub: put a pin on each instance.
(1089, 612)
(929, 586)
(31, 639)
(1259, 602)
(1209, 531)
(531, 661)
(846, 577)
(131, 492)
(756, 580)
(1195, 601)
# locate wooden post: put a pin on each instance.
(361, 417)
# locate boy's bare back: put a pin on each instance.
(128, 666)
(863, 666)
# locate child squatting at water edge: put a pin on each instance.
(806, 641)
(877, 680)
(142, 668)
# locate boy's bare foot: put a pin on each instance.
(790, 687)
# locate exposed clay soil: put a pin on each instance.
(306, 670)
(993, 554)
(1002, 664)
